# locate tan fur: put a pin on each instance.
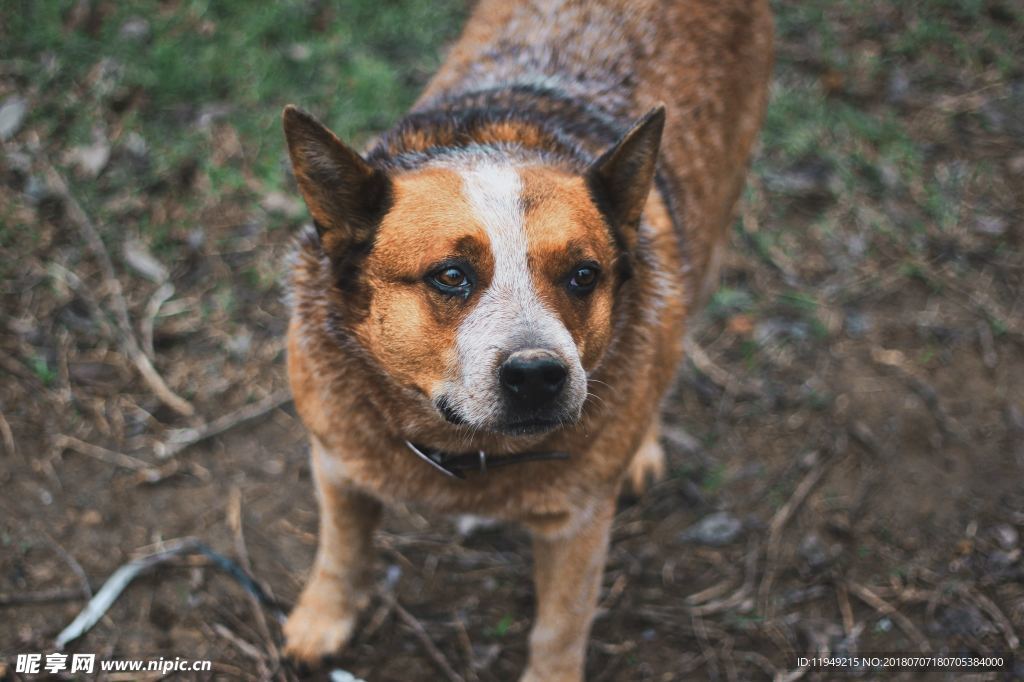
(708, 61)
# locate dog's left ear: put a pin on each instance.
(621, 178)
(346, 196)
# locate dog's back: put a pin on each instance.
(593, 67)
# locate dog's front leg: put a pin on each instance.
(568, 564)
(338, 587)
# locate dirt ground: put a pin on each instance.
(846, 443)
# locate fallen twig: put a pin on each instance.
(72, 563)
(242, 645)
(7, 435)
(723, 378)
(42, 597)
(159, 297)
(995, 613)
(182, 439)
(115, 585)
(433, 652)
(707, 651)
(979, 300)
(144, 471)
(123, 576)
(885, 608)
(64, 442)
(843, 600)
(126, 336)
(235, 524)
(778, 524)
(743, 593)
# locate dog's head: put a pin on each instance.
(485, 286)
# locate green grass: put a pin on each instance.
(357, 64)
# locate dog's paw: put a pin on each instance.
(318, 628)
(647, 467)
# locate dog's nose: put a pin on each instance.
(532, 377)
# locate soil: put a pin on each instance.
(867, 451)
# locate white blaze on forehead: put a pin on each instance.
(509, 314)
(494, 195)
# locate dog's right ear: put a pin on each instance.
(346, 196)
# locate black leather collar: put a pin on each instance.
(456, 465)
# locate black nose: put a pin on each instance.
(532, 377)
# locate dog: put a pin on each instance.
(491, 301)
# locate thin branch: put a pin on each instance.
(722, 377)
(159, 297)
(235, 524)
(115, 585)
(885, 608)
(72, 563)
(126, 336)
(997, 615)
(63, 442)
(778, 524)
(42, 597)
(8, 435)
(433, 652)
(182, 439)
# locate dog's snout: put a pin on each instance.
(533, 377)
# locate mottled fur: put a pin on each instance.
(542, 91)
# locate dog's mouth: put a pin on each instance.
(450, 414)
(508, 426)
(529, 427)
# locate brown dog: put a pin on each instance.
(492, 303)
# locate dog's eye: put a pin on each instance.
(583, 279)
(451, 280)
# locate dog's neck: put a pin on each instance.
(457, 465)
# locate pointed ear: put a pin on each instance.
(621, 178)
(346, 196)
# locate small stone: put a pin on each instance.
(20, 162)
(717, 529)
(211, 113)
(139, 259)
(90, 160)
(857, 323)
(1016, 164)
(195, 239)
(392, 575)
(809, 178)
(814, 553)
(274, 467)
(135, 29)
(239, 345)
(338, 675)
(467, 524)
(1006, 535)
(12, 115)
(36, 190)
(281, 204)
(299, 52)
(965, 620)
(898, 86)
(991, 225)
(135, 144)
